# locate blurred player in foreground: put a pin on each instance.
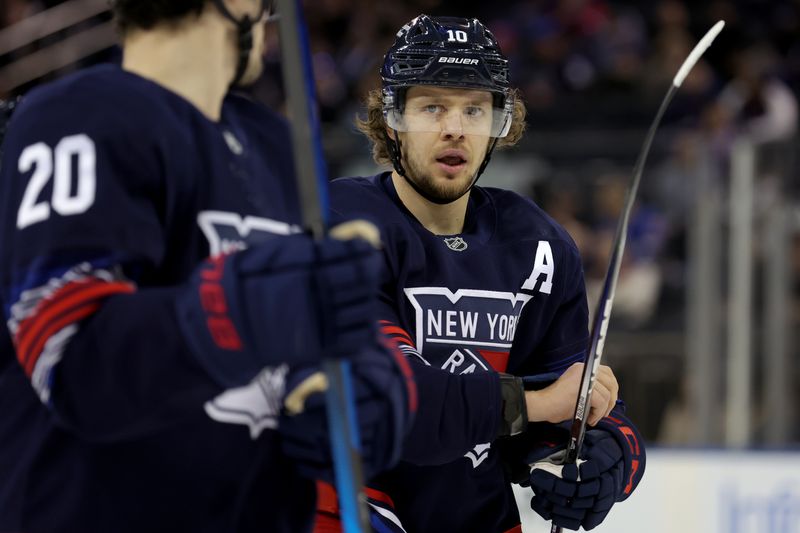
(481, 286)
(142, 386)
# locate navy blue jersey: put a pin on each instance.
(507, 294)
(112, 191)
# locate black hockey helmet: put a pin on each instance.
(447, 52)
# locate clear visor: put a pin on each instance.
(458, 112)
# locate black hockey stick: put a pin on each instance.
(313, 184)
(603, 312)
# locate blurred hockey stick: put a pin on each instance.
(313, 183)
(603, 313)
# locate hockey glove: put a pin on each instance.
(610, 466)
(288, 300)
(385, 401)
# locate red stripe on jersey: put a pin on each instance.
(405, 368)
(515, 529)
(26, 324)
(396, 332)
(72, 303)
(379, 496)
(72, 316)
(326, 498)
(70, 296)
(498, 360)
(327, 516)
(327, 519)
(327, 523)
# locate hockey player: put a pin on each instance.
(481, 286)
(141, 385)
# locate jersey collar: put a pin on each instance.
(479, 222)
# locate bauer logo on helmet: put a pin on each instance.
(458, 60)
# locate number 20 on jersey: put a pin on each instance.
(73, 157)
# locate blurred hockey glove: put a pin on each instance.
(288, 300)
(610, 466)
(385, 398)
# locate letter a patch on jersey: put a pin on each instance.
(543, 266)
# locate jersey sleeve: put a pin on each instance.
(455, 411)
(83, 218)
(566, 332)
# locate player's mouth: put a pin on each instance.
(452, 161)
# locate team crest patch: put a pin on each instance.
(229, 232)
(457, 244)
(465, 319)
(256, 405)
(478, 454)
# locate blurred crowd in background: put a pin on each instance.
(592, 73)
(600, 67)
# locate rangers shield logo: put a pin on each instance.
(228, 232)
(460, 331)
(466, 331)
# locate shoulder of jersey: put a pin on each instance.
(254, 112)
(521, 218)
(104, 96)
(363, 196)
(258, 118)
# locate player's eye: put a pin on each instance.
(474, 112)
(433, 109)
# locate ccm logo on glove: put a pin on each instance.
(633, 446)
(213, 302)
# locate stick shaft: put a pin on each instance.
(603, 313)
(313, 182)
(601, 317)
(305, 131)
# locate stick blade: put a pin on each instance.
(698, 51)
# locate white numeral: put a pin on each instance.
(458, 35)
(63, 201)
(81, 147)
(40, 156)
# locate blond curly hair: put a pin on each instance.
(374, 126)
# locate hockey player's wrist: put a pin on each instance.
(515, 411)
(540, 407)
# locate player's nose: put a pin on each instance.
(452, 125)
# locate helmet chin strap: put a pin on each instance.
(395, 153)
(244, 35)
